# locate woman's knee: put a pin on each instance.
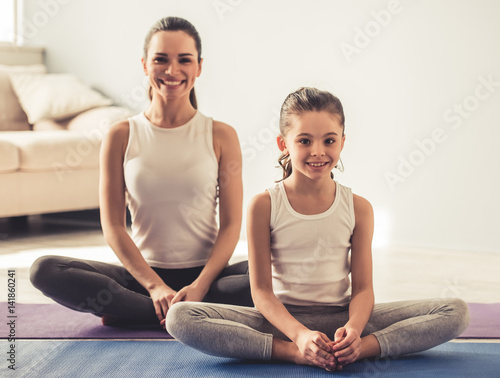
(232, 290)
(43, 269)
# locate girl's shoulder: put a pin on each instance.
(260, 204)
(362, 207)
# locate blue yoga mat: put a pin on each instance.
(42, 358)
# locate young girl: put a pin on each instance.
(300, 233)
(170, 164)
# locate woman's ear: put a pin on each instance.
(144, 66)
(199, 67)
(281, 143)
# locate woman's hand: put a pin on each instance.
(162, 300)
(190, 293)
(314, 347)
(347, 345)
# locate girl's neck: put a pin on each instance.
(309, 198)
(171, 113)
(304, 186)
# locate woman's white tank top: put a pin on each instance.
(171, 178)
(310, 253)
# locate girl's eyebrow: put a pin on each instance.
(310, 135)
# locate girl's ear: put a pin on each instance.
(144, 66)
(281, 143)
(343, 141)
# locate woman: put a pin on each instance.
(169, 164)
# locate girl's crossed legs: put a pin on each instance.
(242, 332)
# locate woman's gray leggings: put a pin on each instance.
(242, 332)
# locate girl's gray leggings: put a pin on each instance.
(242, 332)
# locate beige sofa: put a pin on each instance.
(51, 127)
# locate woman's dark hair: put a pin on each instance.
(174, 24)
(303, 100)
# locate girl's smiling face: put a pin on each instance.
(172, 64)
(314, 142)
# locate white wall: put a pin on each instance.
(398, 86)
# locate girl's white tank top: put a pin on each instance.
(171, 178)
(310, 253)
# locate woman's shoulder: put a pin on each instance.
(225, 141)
(119, 130)
(223, 131)
(120, 127)
(118, 134)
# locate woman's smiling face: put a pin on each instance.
(172, 64)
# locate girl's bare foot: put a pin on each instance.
(288, 351)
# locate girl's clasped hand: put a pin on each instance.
(319, 350)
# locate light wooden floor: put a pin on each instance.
(399, 273)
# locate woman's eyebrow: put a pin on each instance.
(163, 54)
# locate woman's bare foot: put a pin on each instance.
(110, 320)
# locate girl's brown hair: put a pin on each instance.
(174, 24)
(303, 100)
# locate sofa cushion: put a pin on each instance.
(12, 116)
(54, 96)
(98, 118)
(94, 121)
(50, 124)
(10, 157)
(28, 68)
(54, 150)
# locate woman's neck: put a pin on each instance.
(171, 113)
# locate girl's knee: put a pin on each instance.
(178, 319)
(461, 312)
(184, 320)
